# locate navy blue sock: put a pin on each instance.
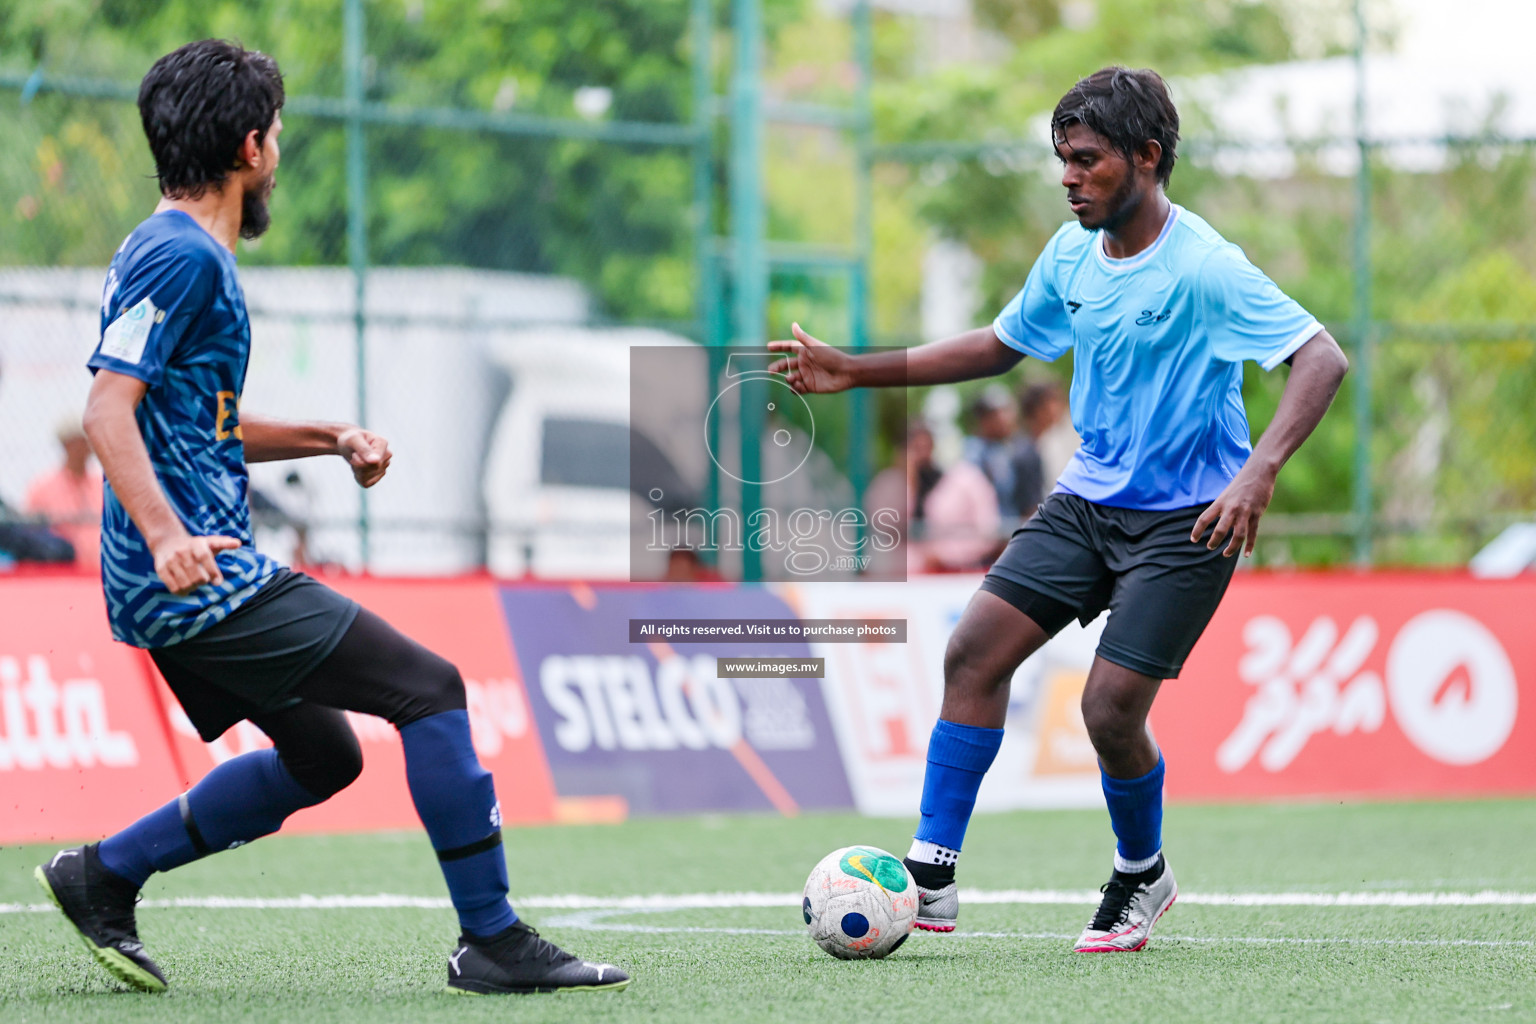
(958, 757)
(244, 798)
(456, 800)
(1136, 813)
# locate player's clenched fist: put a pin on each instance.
(366, 452)
(185, 563)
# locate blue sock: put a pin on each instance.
(958, 757)
(244, 798)
(1136, 812)
(456, 800)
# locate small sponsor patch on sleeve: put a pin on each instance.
(126, 336)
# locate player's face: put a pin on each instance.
(255, 215)
(1099, 179)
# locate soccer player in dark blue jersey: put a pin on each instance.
(236, 635)
(1160, 313)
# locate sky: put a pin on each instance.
(1457, 67)
(1467, 32)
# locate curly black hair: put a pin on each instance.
(198, 104)
(1127, 107)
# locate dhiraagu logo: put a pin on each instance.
(875, 865)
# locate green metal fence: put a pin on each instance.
(738, 269)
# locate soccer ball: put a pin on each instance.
(860, 903)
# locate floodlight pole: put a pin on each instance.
(750, 280)
(863, 246)
(357, 228)
(701, 30)
(711, 330)
(1363, 323)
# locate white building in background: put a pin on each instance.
(434, 389)
(1454, 69)
(947, 27)
(951, 289)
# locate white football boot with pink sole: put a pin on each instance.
(1127, 913)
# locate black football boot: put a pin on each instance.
(100, 906)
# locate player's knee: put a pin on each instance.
(327, 772)
(1110, 726)
(965, 669)
(435, 686)
(345, 765)
(444, 686)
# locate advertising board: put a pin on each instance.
(885, 698)
(652, 723)
(1305, 686)
(1381, 685)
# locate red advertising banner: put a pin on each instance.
(1308, 685)
(1385, 685)
(91, 738)
(462, 621)
(83, 747)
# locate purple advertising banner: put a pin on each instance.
(655, 724)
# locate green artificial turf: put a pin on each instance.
(1205, 963)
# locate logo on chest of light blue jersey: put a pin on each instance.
(1151, 316)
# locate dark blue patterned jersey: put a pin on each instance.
(173, 316)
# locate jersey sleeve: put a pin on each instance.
(159, 297)
(1246, 315)
(1036, 321)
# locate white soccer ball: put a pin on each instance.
(860, 903)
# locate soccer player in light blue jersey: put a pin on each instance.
(235, 634)
(1160, 313)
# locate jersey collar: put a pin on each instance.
(1145, 256)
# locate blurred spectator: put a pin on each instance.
(69, 497)
(685, 566)
(922, 474)
(904, 485)
(961, 524)
(24, 541)
(1046, 421)
(1008, 458)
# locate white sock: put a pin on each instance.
(932, 853)
(1135, 867)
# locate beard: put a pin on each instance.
(1122, 205)
(255, 214)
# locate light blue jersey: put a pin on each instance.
(173, 316)
(1158, 343)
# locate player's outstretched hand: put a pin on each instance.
(366, 452)
(1236, 512)
(811, 366)
(185, 563)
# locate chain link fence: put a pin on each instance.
(510, 241)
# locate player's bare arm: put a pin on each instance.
(1317, 368)
(274, 440)
(814, 367)
(182, 561)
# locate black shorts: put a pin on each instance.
(1075, 558)
(249, 664)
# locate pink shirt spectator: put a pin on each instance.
(962, 519)
(72, 505)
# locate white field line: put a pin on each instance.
(747, 900)
(598, 921)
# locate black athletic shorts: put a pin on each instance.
(1075, 558)
(249, 663)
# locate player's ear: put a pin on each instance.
(1148, 155)
(249, 153)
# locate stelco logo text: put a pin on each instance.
(1449, 685)
(612, 702)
